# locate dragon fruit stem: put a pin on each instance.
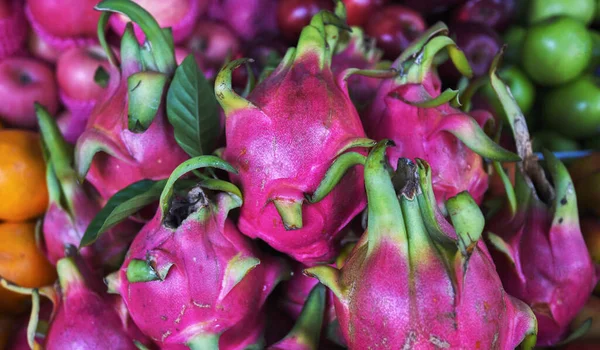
(416, 47)
(34, 319)
(229, 100)
(189, 165)
(426, 57)
(385, 215)
(329, 276)
(59, 163)
(162, 47)
(102, 23)
(320, 37)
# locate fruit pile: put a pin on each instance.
(299, 174)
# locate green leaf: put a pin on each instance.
(192, 109)
(122, 205)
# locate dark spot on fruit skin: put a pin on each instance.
(563, 201)
(164, 318)
(560, 221)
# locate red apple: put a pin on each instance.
(41, 49)
(181, 53)
(427, 7)
(179, 15)
(293, 15)
(24, 81)
(65, 18)
(359, 11)
(394, 27)
(75, 70)
(213, 41)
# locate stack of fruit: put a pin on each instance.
(172, 177)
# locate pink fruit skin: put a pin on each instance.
(358, 54)
(194, 291)
(414, 130)
(24, 81)
(383, 310)
(554, 273)
(41, 49)
(152, 154)
(89, 320)
(283, 149)
(250, 18)
(13, 29)
(60, 229)
(77, 25)
(214, 41)
(182, 27)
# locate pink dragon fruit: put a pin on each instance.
(179, 15)
(540, 252)
(127, 141)
(357, 51)
(415, 281)
(295, 125)
(72, 207)
(190, 277)
(412, 111)
(13, 27)
(84, 316)
(307, 331)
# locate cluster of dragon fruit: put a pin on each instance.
(331, 200)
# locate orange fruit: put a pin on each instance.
(22, 176)
(23, 263)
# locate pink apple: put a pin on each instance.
(214, 41)
(24, 81)
(13, 28)
(180, 15)
(65, 18)
(41, 49)
(75, 70)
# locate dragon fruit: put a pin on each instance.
(72, 207)
(357, 51)
(295, 125)
(190, 277)
(411, 110)
(540, 252)
(83, 315)
(76, 27)
(307, 331)
(415, 281)
(126, 141)
(13, 27)
(179, 15)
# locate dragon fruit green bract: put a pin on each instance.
(412, 111)
(190, 277)
(72, 207)
(539, 252)
(116, 150)
(414, 281)
(294, 126)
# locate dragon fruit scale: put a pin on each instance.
(83, 316)
(411, 110)
(190, 277)
(538, 246)
(295, 129)
(72, 207)
(128, 139)
(417, 281)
